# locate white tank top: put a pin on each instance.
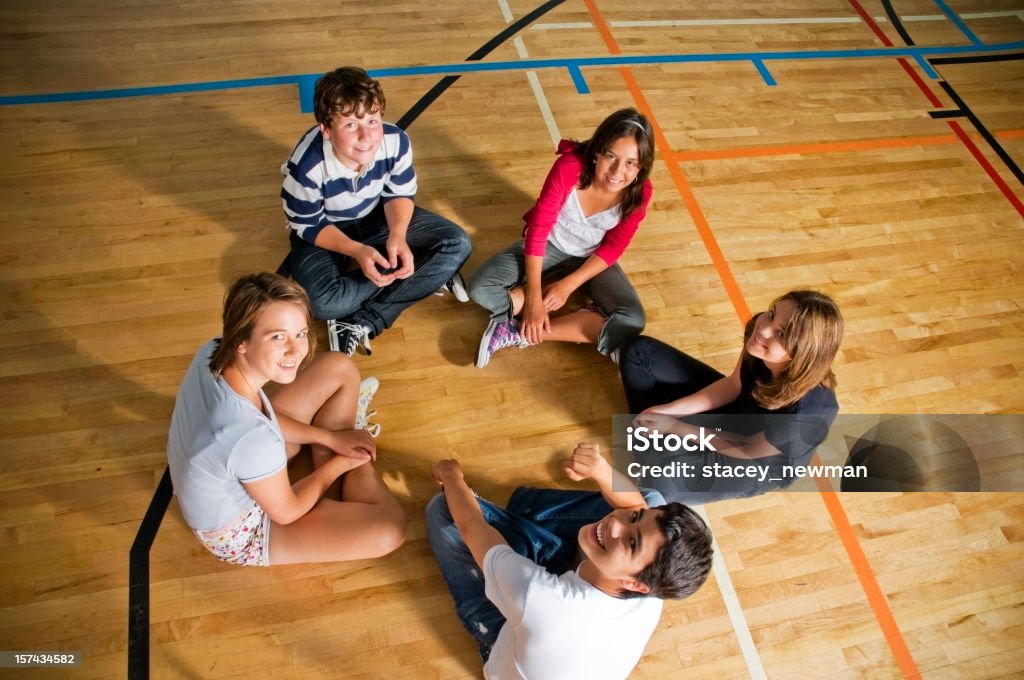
(577, 235)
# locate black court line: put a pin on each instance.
(962, 108)
(983, 131)
(138, 580)
(894, 19)
(138, 556)
(431, 96)
(977, 58)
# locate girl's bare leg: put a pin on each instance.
(323, 394)
(343, 530)
(581, 326)
(368, 521)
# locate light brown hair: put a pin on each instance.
(812, 339)
(244, 303)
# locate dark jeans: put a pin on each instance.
(338, 291)
(539, 524)
(656, 373)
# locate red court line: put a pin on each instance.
(983, 162)
(876, 598)
(957, 130)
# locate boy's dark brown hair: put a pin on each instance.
(345, 91)
(682, 564)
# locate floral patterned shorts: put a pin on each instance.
(245, 541)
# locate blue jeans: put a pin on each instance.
(610, 290)
(338, 291)
(539, 524)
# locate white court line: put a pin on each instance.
(733, 606)
(531, 76)
(769, 21)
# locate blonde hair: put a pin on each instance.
(244, 303)
(812, 339)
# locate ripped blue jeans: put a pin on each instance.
(539, 524)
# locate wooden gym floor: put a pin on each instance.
(809, 158)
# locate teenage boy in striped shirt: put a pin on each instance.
(359, 245)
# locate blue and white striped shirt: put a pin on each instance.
(318, 190)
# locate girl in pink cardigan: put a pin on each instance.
(592, 202)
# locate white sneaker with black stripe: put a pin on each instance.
(348, 337)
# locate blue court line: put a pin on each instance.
(765, 73)
(578, 80)
(304, 81)
(926, 67)
(955, 18)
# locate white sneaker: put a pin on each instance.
(456, 286)
(348, 337)
(367, 388)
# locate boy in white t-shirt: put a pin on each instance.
(504, 568)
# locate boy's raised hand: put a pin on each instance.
(446, 470)
(586, 462)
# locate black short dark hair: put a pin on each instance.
(682, 564)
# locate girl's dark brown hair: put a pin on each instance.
(622, 123)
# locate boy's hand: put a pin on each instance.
(400, 257)
(446, 471)
(586, 462)
(369, 260)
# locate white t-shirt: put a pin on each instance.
(561, 627)
(577, 235)
(218, 440)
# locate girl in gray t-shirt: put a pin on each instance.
(230, 442)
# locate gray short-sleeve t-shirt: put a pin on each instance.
(218, 440)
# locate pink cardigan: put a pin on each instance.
(541, 218)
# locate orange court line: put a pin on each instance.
(682, 185)
(828, 147)
(813, 148)
(869, 582)
(876, 597)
